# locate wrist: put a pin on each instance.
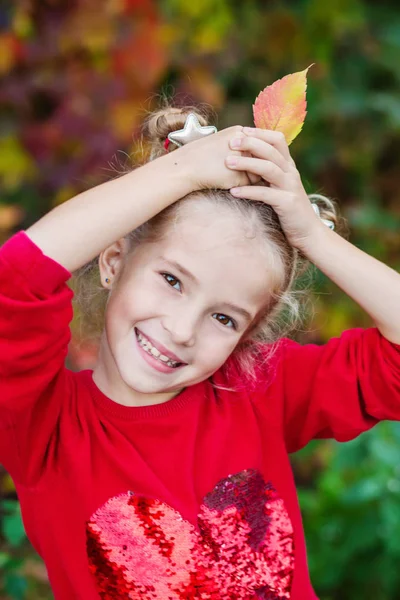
(166, 180)
(312, 245)
(179, 168)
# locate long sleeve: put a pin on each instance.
(35, 312)
(337, 390)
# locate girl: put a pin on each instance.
(164, 472)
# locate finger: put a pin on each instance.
(258, 148)
(276, 198)
(238, 135)
(275, 138)
(266, 169)
(252, 178)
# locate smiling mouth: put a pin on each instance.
(155, 353)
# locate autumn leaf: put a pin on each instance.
(282, 105)
(83, 353)
(11, 51)
(10, 216)
(16, 164)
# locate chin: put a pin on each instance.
(147, 385)
(143, 387)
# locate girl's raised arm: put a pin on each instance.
(78, 230)
(75, 232)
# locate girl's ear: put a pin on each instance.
(111, 262)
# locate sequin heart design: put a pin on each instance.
(141, 548)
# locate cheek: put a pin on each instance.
(142, 299)
(214, 350)
(115, 324)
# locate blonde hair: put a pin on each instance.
(283, 314)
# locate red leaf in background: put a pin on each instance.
(143, 57)
(140, 6)
(12, 51)
(83, 353)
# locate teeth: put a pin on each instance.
(154, 352)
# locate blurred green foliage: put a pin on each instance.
(78, 77)
(350, 499)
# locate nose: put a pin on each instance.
(181, 327)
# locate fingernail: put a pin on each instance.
(235, 191)
(248, 129)
(231, 161)
(236, 143)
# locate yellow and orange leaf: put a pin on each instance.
(10, 216)
(282, 105)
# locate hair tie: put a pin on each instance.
(326, 222)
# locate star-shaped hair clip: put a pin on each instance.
(192, 131)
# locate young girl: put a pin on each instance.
(164, 472)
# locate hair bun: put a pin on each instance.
(161, 122)
(327, 209)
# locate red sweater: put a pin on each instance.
(193, 498)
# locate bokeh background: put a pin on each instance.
(77, 79)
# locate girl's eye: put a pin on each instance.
(172, 281)
(224, 320)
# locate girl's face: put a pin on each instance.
(181, 306)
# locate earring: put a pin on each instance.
(107, 280)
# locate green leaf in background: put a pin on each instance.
(12, 526)
(4, 559)
(15, 585)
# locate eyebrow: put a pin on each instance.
(239, 310)
(179, 268)
(190, 276)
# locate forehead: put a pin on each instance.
(228, 259)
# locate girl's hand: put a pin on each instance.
(205, 164)
(271, 162)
